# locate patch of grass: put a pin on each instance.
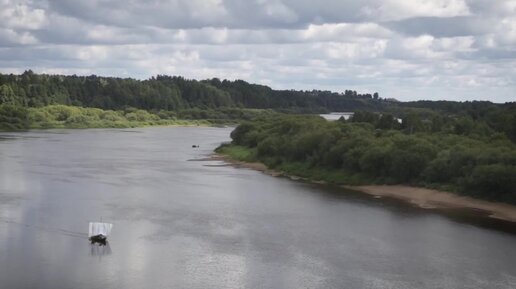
(236, 152)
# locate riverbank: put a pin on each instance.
(434, 199)
(420, 197)
(115, 125)
(17, 118)
(125, 124)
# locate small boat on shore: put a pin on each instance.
(98, 232)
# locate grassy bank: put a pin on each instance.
(115, 124)
(60, 116)
(14, 118)
(236, 152)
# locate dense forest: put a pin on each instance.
(379, 149)
(171, 93)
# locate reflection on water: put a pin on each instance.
(337, 115)
(203, 224)
(100, 250)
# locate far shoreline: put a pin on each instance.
(419, 197)
(182, 123)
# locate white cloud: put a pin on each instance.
(10, 37)
(344, 31)
(396, 10)
(18, 14)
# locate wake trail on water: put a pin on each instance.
(63, 232)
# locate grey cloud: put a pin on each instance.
(395, 47)
(498, 8)
(442, 27)
(491, 54)
(240, 14)
(179, 14)
(66, 30)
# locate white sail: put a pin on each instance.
(100, 229)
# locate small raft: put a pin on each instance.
(98, 232)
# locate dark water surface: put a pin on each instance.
(200, 224)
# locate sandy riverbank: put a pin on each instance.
(433, 199)
(421, 197)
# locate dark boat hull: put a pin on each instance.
(98, 239)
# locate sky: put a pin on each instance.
(403, 49)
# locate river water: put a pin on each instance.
(337, 115)
(183, 222)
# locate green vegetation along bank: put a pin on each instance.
(62, 116)
(357, 153)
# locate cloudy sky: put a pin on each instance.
(405, 49)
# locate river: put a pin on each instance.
(184, 222)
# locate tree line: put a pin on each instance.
(170, 93)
